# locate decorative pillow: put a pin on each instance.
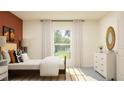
(6, 56)
(18, 55)
(25, 57)
(12, 56)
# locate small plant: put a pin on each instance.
(101, 48)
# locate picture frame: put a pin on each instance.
(9, 33)
(12, 35)
(6, 32)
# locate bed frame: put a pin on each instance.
(21, 72)
(13, 73)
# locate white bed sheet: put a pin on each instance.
(33, 64)
(28, 65)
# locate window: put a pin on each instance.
(62, 43)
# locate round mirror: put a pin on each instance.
(110, 38)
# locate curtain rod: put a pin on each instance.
(62, 20)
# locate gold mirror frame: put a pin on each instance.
(112, 32)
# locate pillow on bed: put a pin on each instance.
(12, 56)
(18, 55)
(25, 57)
(6, 55)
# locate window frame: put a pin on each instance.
(62, 44)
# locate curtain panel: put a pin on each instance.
(77, 43)
(46, 38)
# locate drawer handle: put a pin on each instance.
(102, 70)
(96, 62)
(102, 58)
(96, 66)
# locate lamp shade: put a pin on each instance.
(25, 42)
(2, 41)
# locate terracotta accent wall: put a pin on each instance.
(10, 20)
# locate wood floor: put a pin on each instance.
(72, 74)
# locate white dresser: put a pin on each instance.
(105, 64)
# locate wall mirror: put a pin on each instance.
(110, 38)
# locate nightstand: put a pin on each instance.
(3, 70)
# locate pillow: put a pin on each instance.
(6, 56)
(12, 56)
(25, 57)
(18, 55)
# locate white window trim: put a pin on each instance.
(53, 48)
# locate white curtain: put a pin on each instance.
(77, 41)
(46, 38)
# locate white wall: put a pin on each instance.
(32, 32)
(90, 42)
(114, 19)
(108, 20)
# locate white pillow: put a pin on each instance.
(7, 56)
(25, 57)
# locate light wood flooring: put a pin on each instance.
(72, 74)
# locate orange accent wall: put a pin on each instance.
(10, 20)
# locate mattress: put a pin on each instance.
(29, 65)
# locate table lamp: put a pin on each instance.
(25, 44)
(2, 44)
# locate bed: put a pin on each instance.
(30, 66)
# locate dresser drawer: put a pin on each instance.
(96, 67)
(100, 63)
(103, 72)
(100, 58)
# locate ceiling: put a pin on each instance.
(59, 15)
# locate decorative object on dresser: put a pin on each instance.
(105, 64)
(3, 70)
(101, 49)
(2, 43)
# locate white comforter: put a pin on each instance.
(33, 64)
(50, 66)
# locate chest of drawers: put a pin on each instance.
(105, 64)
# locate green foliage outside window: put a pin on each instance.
(62, 43)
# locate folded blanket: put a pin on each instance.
(50, 66)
